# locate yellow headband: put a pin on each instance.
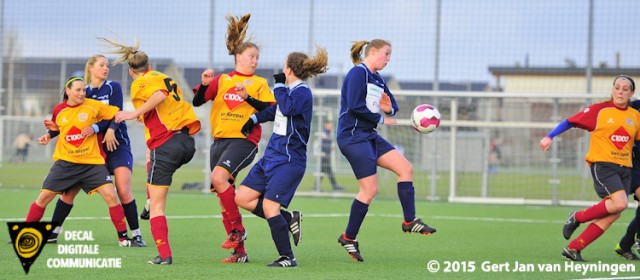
(72, 80)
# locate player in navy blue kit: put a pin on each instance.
(273, 180)
(116, 147)
(365, 97)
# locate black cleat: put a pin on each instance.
(284, 261)
(417, 226)
(570, 225)
(572, 254)
(351, 246)
(137, 241)
(145, 211)
(295, 227)
(159, 260)
(626, 254)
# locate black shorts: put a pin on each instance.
(609, 178)
(168, 157)
(232, 154)
(64, 175)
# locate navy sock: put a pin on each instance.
(627, 240)
(280, 235)
(60, 214)
(131, 213)
(407, 197)
(637, 219)
(356, 217)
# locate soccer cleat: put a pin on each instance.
(236, 258)
(234, 239)
(145, 211)
(284, 261)
(570, 225)
(137, 241)
(125, 242)
(572, 254)
(295, 227)
(52, 240)
(417, 225)
(626, 254)
(636, 245)
(159, 260)
(352, 247)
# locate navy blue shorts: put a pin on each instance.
(363, 156)
(64, 175)
(276, 182)
(168, 157)
(609, 178)
(120, 157)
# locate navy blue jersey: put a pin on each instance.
(635, 104)
(291, 116)
(110, 92)
(359, 106)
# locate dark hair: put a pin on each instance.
(68, 85)
(304, 67)
(633, 84)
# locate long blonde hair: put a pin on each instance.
(137, 60)
(356, 49)
(304, 67)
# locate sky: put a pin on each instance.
(474, 34)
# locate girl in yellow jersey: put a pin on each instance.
(169, 121)
(231, 150)
(613, 126)
(77, 159)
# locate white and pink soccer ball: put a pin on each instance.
(425, 118)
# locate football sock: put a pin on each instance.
(591, 233)
(118, 220)
(356, 217)
(131, 212)
(60, 213)
(160, 233)
(35, 213)
(594, 212)
(228, 201)
(406, 193)
(637, 219)
(228, 227)
(280, 234)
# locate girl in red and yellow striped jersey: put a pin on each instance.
(169, 121)
(77, 159)
(613, 126)
(232, 150)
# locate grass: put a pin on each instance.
(469, 237)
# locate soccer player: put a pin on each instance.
(613, 126)
(117, 149)
(169, 123)
(231, 150)
(77, 159)
(630, 237)
(273, 180)
(366, 101)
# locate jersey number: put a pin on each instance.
(172, 88)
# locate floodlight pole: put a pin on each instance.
(436, 88)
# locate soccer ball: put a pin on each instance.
(425, 118)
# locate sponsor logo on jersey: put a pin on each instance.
(74, 137)
(620, 138)
(232, 99)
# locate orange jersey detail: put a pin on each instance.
(72, 146)
(170, 116)
(612, 132)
